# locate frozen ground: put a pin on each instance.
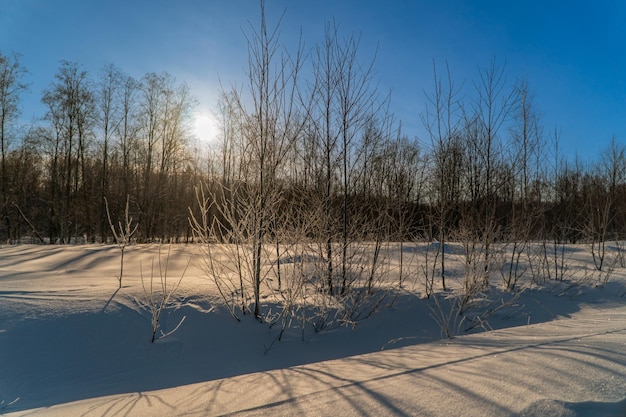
(71, 345)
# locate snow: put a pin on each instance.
(72, 344)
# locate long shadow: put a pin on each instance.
(369, 390)
(193, 356)
(572, 409)
(109, 300)
(57, 257)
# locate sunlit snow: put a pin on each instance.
(72, 344)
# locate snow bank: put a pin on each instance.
(71, 345)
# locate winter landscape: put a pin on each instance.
(74, 344)
(373, 210)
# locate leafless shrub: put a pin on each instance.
(157, 296)
(596, 230)
(620, 248)
(604, 275)
(477, 265)
(446, 311)
(223, 263)
(122, 234)
(492, 306)
(555, 260)
(535, 261)
(429, 267)
(512, 265)
(369, 287)
(458, 311)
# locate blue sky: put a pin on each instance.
(573, 53)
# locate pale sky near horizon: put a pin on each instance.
(573, 53)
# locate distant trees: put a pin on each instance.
(313, 185)
(108, 136)
(309, 153)
(71, 117)
(109, 117)
(11, 86)
(164, 110)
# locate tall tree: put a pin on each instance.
(109, 116)
(491, 111)
(128, 133)
(357, 103)
(523, 168)
(270, 126)
(71, 113)
(164, 108)
(344, 101)
(442, 124)
(324, 135)
(11, 86)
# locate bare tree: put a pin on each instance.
(11, 86)
(525, 163)
(613, 170)
(324, 136)
(442, 125)
(123, 234)
(357, 103)
(406, 188)
(109, 120)
(491, 110)
(344, 102)
(70, 103)
(614, 167)
(220, 223)
(164, 112)
(128, 131)
(269, 131)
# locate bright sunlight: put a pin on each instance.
(205, 127)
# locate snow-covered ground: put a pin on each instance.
(71, 344)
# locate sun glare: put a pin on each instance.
(205, 127)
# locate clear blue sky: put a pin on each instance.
(572, 52)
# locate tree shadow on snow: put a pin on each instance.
(552, 408)
(52, 360)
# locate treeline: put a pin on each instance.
(106, 136)
(308, 151)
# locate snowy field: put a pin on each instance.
(72, 344)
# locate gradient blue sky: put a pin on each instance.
(573, 53)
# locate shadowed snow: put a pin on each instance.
(72, 344)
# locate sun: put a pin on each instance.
(205, 127)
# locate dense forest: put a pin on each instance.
(308, 150)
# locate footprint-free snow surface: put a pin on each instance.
(72, 344)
